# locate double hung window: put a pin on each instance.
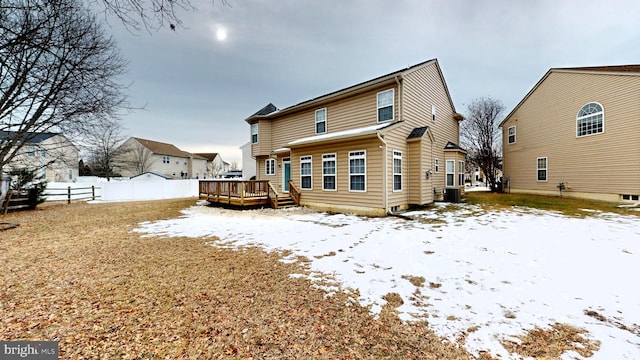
(358, 170)
(329, 172)
(306, 172)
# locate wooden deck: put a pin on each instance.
(246, 193)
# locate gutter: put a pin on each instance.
(398, 78)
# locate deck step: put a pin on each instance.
(285, 202)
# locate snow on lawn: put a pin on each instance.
(498, 273)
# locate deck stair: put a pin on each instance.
(285, 201)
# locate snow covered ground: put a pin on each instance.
(498, 272)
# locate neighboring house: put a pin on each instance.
(51, 155)
(137, 156)
(149, 176)
(375, 147)
(248, 162)
(579, 127)
(215, 165)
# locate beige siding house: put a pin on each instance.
(215, 165)
(137, 156)
(375, 147)
(51, 155)
(578, 127)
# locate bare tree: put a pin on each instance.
(480, 135)
(58, 72)
(101, 144)
(134, 158)
(149, 14)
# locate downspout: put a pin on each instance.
(385, 197)
(397, 78)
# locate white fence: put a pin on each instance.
(125, 190)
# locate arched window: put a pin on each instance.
(590, 120)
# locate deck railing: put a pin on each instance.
(241, 189)
(294, 192)
(273, 197)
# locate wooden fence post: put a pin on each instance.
(93, 192)
(69, 195)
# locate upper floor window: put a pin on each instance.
(358, 170)
(542, 168)
(305, 172)
(385, 105)
(270, 167)
(590, 120)
(31, 151)
(165, 160)
(43, 152)
(254, 133)
(433, 113)
(321, 121)
(436, 165)
(511, 135)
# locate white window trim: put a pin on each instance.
(273, 167)
(322, 121)
(447, 173)
(546, 168)
(578, 118)
(460, 173)
(257, 132)
(378, 107)
(397, 154)
(363, 156)
(334, 158)
(509, 135)
(306, 159)
(433, 113)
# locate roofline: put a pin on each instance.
(594, 70)
(360, 87)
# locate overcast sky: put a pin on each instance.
(200, 82)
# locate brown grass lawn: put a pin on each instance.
(77, 274)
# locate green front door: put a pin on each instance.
(286, 164)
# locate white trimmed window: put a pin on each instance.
(433, 113)
(31, 151)
(270, 167)
(511, 135)
(254, 133)
(385, 105)
(329, 172)
(358, 170)
(436, 165)
(590, 120)
(70, 174)
(542, 168)
(397, 170)
(306, 173)
(450, 171)
(43, 152)
(460, 173)
(166, 160)
(321, 121)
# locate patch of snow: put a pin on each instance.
(503, 272)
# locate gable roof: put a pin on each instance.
(453, 146)
(208, 156)
(389, 78)
(161, 148)
(633, 70)
(28, 137)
